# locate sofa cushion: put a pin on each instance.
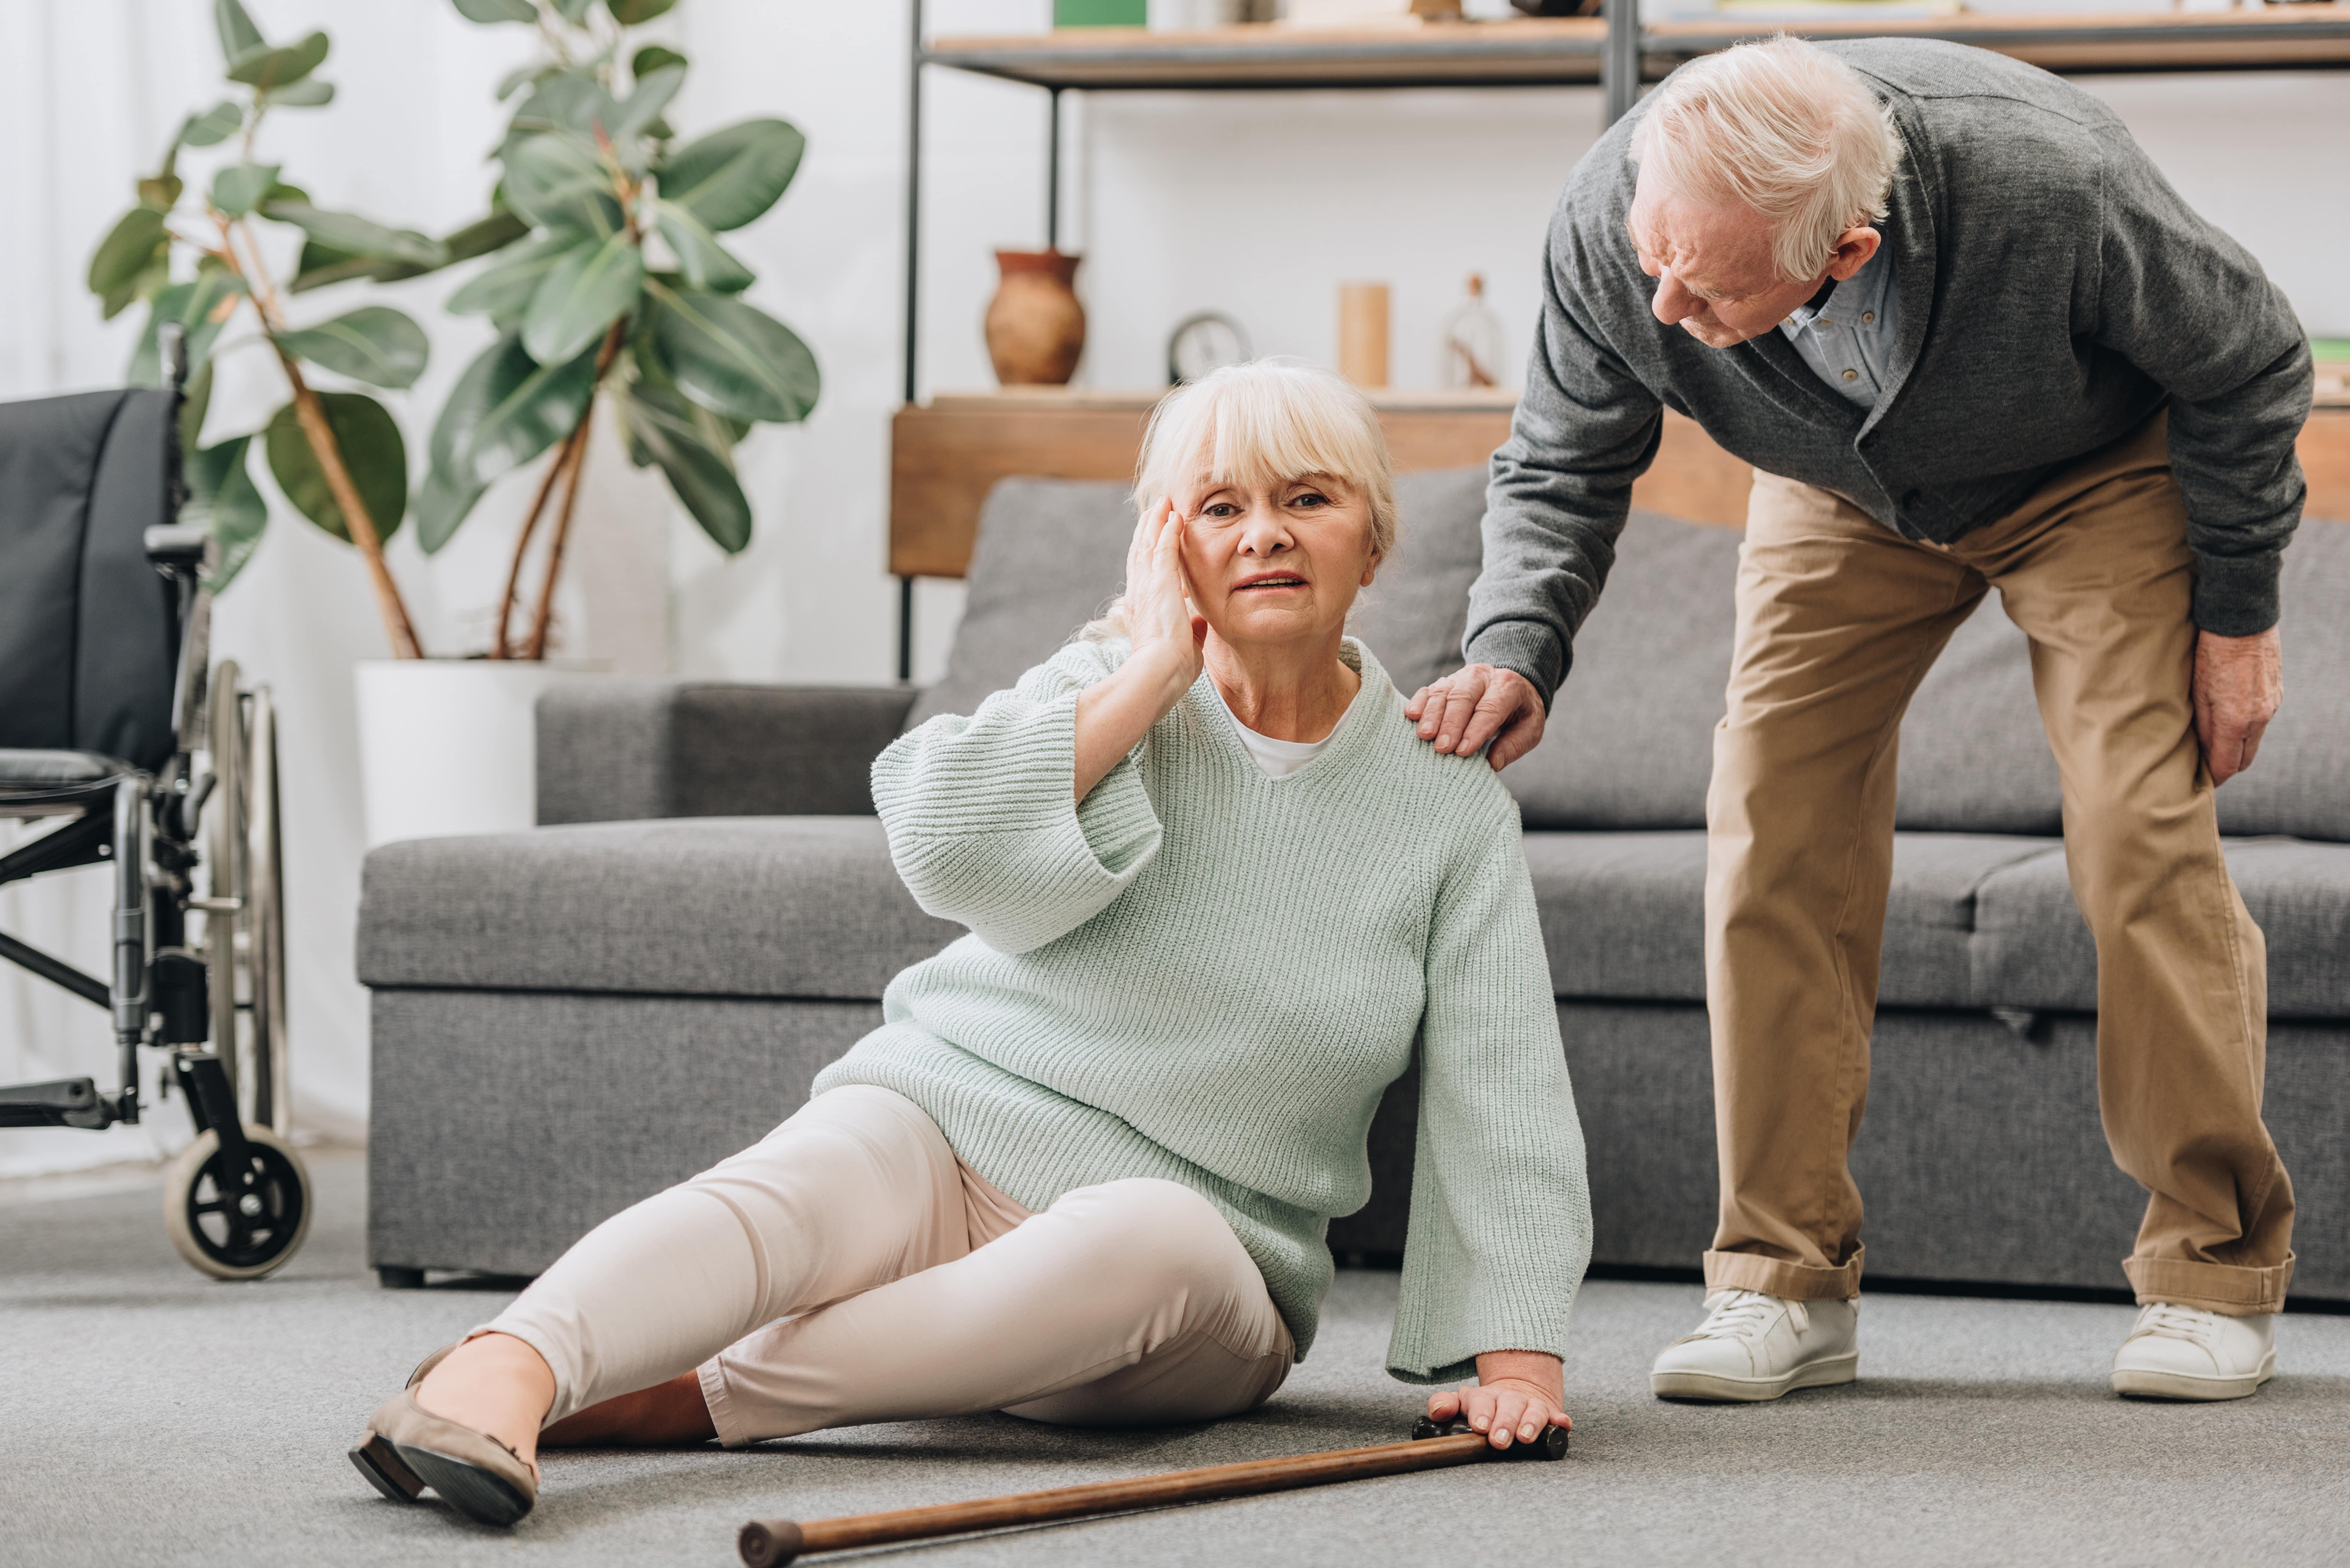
(1052, 552)
(1974, 757)
(1623, 914)
(784, 906)
(2033, 950)
(1629, 743)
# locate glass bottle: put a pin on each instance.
(1472, 354)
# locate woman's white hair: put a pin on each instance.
(1782, 126)
(1263, 423)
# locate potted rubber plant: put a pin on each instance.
(612, 301)
(199, 259)
(614, 292)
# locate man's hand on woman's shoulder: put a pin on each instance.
(1479, 704)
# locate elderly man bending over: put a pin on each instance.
(1970, 338)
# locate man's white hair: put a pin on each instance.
(1782, 126)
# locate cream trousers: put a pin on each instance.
(849, 1268)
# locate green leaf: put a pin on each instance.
(307, 93)
(559, 183)
(355, 235)
(374, 344)
(733, 358)
(630, 13)
(237, 33)
(272, 69)
(161, 192)
(652, 57)
(216, 124)
(707, 264)
(322, 264)
(644, 105)
(129, 249)
(505, 409)
(224, 500)
(146, 285)
(573, 11)
(502, 291)
(202, 306)
(493, 231)
(441, 505)
(571, 101)
(196, 401)
(584, 293)
(497, 10)
(728, 177)
(672, 432)
(373, 453)
(237, 188)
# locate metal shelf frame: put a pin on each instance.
(1614, 51)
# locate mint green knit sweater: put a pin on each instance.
(1210, 976)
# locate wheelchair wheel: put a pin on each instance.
(237, 1224)
(245, 942)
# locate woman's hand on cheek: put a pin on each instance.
(1516, 1395)
(1159, 616)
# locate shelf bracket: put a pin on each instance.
(1619, 62)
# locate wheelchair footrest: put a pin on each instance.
(60, 1103)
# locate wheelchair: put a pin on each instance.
(142, 755)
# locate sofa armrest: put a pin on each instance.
(622, 749)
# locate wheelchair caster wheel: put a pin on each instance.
(232, 1224)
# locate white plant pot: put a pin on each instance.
(449, 745)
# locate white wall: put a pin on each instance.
(1257, 204)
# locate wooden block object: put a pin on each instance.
(1363, 317)
(946, 454)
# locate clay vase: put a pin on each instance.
(1036, 327)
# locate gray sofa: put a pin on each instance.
(569, 1019)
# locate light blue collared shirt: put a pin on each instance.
(1849, 341)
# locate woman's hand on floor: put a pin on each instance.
(1516, 1395)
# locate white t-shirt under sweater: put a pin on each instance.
(1279, 759)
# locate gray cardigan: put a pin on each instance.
(2055, 292)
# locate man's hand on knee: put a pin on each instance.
(2238, 683)
(1477, 705)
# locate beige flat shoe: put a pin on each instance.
(478, 1474)
(376, 1457)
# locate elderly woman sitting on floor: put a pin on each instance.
(1217, 887)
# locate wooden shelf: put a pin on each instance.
(1565, 52)
(947, 454)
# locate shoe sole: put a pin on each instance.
(2138, 1383)
(378, 1461)
(469, 1488)
(1714, 1389)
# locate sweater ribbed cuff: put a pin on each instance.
(2236, 596)
(1528, 647)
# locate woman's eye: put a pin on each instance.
(1221, 510)
(1311, 498)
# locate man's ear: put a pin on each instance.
(1854, 247)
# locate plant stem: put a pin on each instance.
(499, 647)
(536, 647)
(312, 416)
(573, 451)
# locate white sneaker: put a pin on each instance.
(2186, 1353)
(1752, 1346)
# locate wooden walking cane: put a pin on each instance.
(769, 1542)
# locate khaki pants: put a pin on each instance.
(849, 1268)
(1838, 618)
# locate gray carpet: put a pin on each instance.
(148, 1415)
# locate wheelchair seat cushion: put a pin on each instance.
(26, 772)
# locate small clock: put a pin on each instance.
(1202, 343)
